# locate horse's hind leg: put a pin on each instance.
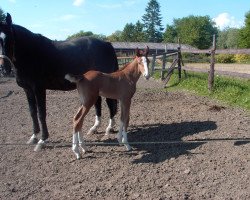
(77, 126)
(112, 104)
(98, 110)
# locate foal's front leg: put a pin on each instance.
(122, 134)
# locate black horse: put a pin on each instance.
(41, 64)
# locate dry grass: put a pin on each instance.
(240, 68)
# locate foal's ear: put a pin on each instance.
(8, 19)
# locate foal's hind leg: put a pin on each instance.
(77, 126)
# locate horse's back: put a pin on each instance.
(85, 53)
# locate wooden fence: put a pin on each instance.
(177, 62)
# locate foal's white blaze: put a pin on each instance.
(145, 65)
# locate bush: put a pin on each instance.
(225, 58)
(242, 58)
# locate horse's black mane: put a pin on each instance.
(30, 36)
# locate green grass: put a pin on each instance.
(232, 91)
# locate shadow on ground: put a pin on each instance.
(156, 153)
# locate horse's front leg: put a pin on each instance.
(98, 111)
(40, 95)
(33, 112)
(112, 105)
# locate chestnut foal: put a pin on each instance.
(119, 85)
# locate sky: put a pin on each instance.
(57, 19)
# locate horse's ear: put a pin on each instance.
(147, 51)
(137, 53)
(8, 19)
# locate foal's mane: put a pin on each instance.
(123, 67)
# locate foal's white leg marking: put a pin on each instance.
(41, 144)
(81, 142)
(110, 126)
(125, 140)
(75, 144)
(119, 134)
(96, 125)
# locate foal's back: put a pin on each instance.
(114, 85)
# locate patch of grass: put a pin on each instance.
(232, 91)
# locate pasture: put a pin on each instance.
(200, 149)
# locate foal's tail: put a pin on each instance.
(73, 78)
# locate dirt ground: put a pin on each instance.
(213, 163)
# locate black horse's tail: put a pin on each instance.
(73, 78)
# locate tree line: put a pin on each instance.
(196, 31)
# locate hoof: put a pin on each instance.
(105, 137)
(40, 145)
(109, 130)
(92, 132)
(128, 148)
(32, 141)
(78, 156)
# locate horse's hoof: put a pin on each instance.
(40, 145)
(109, 130)
(128, 147)
(92, 132)
(105, 137)
(32, 141)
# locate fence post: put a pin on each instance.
(153, 64)
(179, 62)
(212, 62)
(163, 65)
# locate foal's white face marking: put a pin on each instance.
(145, 65)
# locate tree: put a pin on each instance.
(228, 38)
(133, 33)
(88, 34)
(152, 22)
(170, 34)
(115, 37)
(2, 15)
(196, 31)
(244, 34)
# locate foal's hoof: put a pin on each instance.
(40, 145)
(32, 141)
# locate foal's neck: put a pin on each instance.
(132, 71)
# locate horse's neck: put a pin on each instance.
(28, 39)
(132, 71)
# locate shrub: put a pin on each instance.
(224, 58)
(242, 58)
